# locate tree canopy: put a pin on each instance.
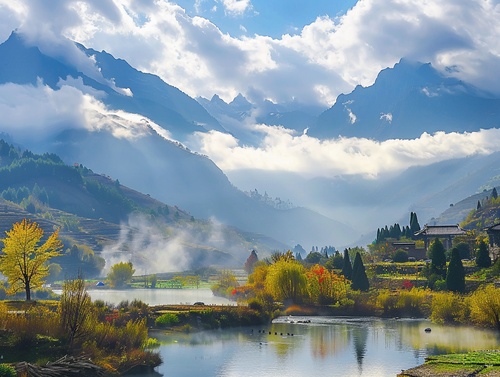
(23, 261)
(121, 274)
(483, 258)
(359, 278)
(455, 277)
(438, 258)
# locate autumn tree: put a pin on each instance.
(324, 286)
(485, 306)
(455, 276)
(23, 261)
(121, 274)
(286, 280)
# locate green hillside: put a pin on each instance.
(93, 212)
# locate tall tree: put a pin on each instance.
(23, 261)
(359, 279)
(455, 277)
(250, 262)
(414, 225)
(347, 267)
(483, 259)
(286, 281)
(494, 193)
(438, 258)
(121, 274)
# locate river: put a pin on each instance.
(301, 346)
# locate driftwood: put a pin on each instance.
(66, 366)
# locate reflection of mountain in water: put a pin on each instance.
(360, 336)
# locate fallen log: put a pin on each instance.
(67, 366)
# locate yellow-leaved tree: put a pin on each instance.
(23, 261)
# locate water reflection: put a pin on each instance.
(347, 347)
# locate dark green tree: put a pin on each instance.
(347, 267)
(400, 256)
(414, 225)
(455, 277)
(359, 279)
(438, 258)
(478, 205)
(494, 193)
(483, 259)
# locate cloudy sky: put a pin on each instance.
(282, 50)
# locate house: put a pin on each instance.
(445, 233)
(494, 240)
(411, 249)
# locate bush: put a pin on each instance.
(448, 307)
(166, 320)
(400, 256)
(7, 371)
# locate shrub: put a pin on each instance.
(400, 256)
(448, 307)
(7, 371)
(166, 320)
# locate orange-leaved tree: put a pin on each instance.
(23, 261)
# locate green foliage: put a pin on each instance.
(167, 320)
(359, 278)
(225, 284)
(400, 256)
(7, 371)
(438, 258)
(414, 302)
(455, 276)
(286, 281)
(347, 266)
(483, 259)
(448, 307)
(121, 274)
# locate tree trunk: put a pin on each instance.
(28, 292)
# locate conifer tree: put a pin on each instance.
(359, 279)
(414, 225)
(347, 268)
(478, 205)
(483, 259)
(438, 258)
(455, 277)
(494, 193)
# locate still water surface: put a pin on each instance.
(325, 346)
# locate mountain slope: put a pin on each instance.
(149, 95)
(138, 156)
(406, 101)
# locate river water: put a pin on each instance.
(300, 346)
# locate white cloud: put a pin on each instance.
(35, 113)
(387, 117)
(236, 7)
(335, 53)
(283, 150)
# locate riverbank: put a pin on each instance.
(480, 363)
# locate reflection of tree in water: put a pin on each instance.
(326, 341)
(360, 336)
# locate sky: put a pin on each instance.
(303, 51)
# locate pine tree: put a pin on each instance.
(359, 279)
(494, 193)
(347, 268)
(455, 277)
(414, 225)
(483, 259)
(478, 205)
(438, 258)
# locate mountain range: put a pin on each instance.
(144, 154)
(137, 133)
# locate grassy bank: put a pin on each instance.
(479, 363)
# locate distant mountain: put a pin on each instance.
(404, 102)
(146, 161)
(124, 87)
(235, 114)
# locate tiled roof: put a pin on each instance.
(495, 227)
(440, 230)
